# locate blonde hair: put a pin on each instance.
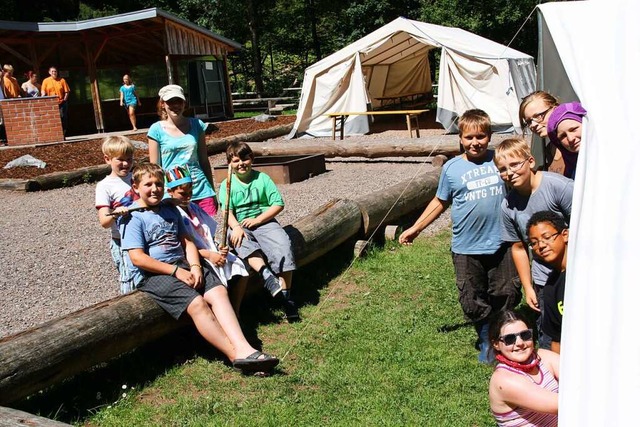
(516, 146)
(474, 119)
(548, 99)
(8, 68)
(114, 146)
(146, 168)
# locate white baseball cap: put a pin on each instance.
(171, 91)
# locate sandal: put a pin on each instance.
(256, 362)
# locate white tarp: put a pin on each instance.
(474, 73)
(598, 43)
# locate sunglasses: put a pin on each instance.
(510, 339)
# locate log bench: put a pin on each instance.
(341, 117)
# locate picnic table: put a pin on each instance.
(341, 117)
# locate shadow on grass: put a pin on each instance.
(81, 396)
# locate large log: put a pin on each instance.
(447, 145)
(220, 145)
(45, 355)
(14, 418)
(387, 206)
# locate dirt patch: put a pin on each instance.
(75, 155)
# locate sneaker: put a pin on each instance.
(291, 313)
(272, 284)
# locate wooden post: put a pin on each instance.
(95, 90)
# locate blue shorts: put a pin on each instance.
(130, 276)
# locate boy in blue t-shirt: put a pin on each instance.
(485, 274)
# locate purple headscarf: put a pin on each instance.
(569, 110)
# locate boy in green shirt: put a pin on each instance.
(255, 234)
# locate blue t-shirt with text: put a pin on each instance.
(475, 191)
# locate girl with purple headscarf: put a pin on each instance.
(565, 132)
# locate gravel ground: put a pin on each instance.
(56, 258)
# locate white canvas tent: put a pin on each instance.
(474, 73)
(598, 44)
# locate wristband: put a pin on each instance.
(195, 265)
(173, 274)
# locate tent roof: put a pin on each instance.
(403, 38)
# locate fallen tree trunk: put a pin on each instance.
(220, 145)
(14, 418)
(59, 349)
(389, 205)
(448, 145)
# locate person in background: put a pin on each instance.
(3, 133)
(31, 87)
(54, 85)
(523, 390)
(176, 140)
(129, 99)
(11, 86)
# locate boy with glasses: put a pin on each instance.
(485, 274)
(548, 239)
(532, 191)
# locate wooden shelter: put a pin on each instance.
(80, 49)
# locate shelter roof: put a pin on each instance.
(146, 32)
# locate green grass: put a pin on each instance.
(250, 114)
(383, 344)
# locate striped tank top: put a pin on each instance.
(522, 417)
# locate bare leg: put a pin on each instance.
(255, 261)
(132, 117)
(236, 293)
(209, 327)
(221, 308)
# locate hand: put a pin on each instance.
(407, 236)
(217, 259)
(196, 272)
(532, 299)
(186, 277)
(122, 104)
(250, 223)
(236, 236)
(224, 251)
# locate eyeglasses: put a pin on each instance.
(513, 168)
(537, 117)
(544, 239)
(510, 339)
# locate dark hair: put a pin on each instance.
(475, 118)
(239, 149)
(503, 318)
(552, 218)
(30, 74)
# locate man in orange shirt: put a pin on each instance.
(57, 86)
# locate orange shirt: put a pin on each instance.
(52, 87)
(11, 87)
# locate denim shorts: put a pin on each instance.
(130, 276)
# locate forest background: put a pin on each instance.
(283, 37)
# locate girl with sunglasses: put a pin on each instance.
(523, 390)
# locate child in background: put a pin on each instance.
(548, 239)
(113, 195)
(202, 229)
(254, 231)
(129, 99)
(532, 191)
(486, 278)
(159, 245)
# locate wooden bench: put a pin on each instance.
(341, 117)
